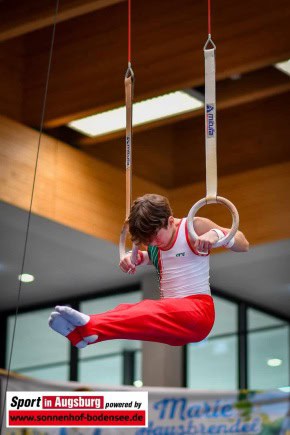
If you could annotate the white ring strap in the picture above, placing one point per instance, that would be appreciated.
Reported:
(211, 149)
(210, 123)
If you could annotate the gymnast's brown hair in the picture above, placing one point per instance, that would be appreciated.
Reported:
(149, 213)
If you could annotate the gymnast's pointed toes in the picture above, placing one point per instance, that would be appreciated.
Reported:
(75, 317)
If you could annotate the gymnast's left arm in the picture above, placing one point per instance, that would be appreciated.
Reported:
(204, 228)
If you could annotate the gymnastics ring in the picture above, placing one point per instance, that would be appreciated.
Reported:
(219, 200)
(122, 245)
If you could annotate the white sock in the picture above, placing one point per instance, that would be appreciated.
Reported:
(64, 327)
(73, 316)
(76, 318)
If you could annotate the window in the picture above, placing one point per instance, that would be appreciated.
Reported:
(37, 351)
(268, 351)
(258, 319)
(105, 370)
(212, 364)
(226, 321)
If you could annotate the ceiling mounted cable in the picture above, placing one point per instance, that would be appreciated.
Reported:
(129, 95)
(42, 116)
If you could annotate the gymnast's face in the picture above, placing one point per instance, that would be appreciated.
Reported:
(164, 236)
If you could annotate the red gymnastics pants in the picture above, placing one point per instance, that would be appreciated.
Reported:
(170, 320)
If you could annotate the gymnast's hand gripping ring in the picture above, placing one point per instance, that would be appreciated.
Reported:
(219, 200)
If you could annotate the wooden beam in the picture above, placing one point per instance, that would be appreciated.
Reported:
(21, 17)
(261, 197)
(71, 188)
(249, 87)
(88, 68)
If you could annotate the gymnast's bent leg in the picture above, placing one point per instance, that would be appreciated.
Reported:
(173, 321)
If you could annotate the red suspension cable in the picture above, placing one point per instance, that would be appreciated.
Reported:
(129, 31)
(208, 17)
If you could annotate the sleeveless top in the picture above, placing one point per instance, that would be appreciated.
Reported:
(180, 270)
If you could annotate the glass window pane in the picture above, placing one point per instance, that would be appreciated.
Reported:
(58, 373)
(269, 358)
(257, 319)
(100, 305)
(35, 343)
(102, 371)
(226, 317)
(212, 364)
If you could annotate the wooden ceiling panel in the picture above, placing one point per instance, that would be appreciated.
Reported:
(249, 87)
(250, 136)
(152, 155)
(90, 52)
(19, 17)
(11, 79)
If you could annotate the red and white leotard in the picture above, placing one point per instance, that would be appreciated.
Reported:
(181, 271)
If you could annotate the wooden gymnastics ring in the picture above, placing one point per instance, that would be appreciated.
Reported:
(218, 200)
(122, 245)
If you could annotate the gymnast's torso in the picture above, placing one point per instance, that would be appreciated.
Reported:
(181, 271)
